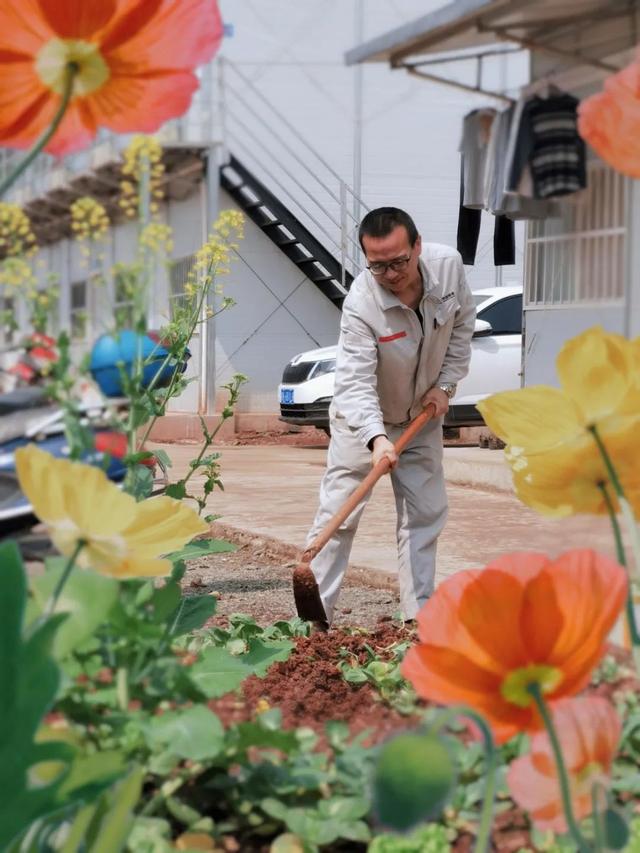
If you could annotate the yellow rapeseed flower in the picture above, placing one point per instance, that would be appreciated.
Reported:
(79, 504)
(142, 158)
(157, 237)
(16, 274)
(16, 236)
(89, 219)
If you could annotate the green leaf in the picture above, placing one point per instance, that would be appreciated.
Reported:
(163, 457)
(414, 779)
(344, 808)
(117, 814)
(176, 490)
(194, 733)
(218, 672)
(86, 598)
(261, 655)
(200, 548)
(89, 772)
(139, 482)
(165, 601)
(30, 681)
(616, 831)
(287, 843)
(191, 614)
(244, 736)
(354, 675)
(150, 835)
(141, 411)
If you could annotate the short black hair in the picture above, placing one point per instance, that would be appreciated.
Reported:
(381, 222)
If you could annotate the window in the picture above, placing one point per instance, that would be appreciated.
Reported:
(9, 319)
(505, 316)
(178, 277)
(79, 311)
(479, 298)
(124, 284)
(579, 257)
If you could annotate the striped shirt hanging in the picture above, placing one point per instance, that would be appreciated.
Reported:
(548, 141)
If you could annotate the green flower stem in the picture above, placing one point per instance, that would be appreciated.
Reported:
(625, 507)
(580, 841)
(598, 828)
(71, 71)
(64, 577)
(622, 559)
(631, 524)
(483, 838)
(167, 395)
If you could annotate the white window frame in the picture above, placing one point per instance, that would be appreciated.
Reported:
(583, 262)
(121, 304)
(74, 312)
(179, 270)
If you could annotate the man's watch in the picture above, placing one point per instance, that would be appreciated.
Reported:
(449, 388)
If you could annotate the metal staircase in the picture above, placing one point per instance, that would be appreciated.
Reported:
(286, 231)
(286, 187)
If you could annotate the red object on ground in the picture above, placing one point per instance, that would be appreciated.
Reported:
(115, 444)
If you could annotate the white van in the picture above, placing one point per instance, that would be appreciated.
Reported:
(307, 382)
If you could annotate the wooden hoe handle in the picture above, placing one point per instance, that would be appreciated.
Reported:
(378, 470)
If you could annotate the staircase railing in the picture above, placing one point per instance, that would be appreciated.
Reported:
(277, 152)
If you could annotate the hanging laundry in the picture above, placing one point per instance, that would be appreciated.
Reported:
(476, 134)
(547, 140)
(497, 200)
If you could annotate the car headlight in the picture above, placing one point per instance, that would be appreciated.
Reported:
(322, 367)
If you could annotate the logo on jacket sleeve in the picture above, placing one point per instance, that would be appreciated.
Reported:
(386, 338)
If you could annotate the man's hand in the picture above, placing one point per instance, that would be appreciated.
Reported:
(439, 398)
(383, 447)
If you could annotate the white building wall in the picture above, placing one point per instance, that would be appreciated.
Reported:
(548, 327)
(293, 54)
(278, 313)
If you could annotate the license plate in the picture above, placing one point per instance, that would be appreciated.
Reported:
(286, 395)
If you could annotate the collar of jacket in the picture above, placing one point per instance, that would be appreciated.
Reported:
(388, 300)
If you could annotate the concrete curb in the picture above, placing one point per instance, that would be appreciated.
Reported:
(479, 468)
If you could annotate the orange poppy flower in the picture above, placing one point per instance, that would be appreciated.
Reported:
(487, 634)
(610, 121)
(135, 61)
(588, 731)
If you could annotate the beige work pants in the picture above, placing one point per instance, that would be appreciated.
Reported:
(421, 507)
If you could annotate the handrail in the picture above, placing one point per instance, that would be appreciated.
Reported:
(284, 120)
(284, 188)
(287, 147)
(262, 123)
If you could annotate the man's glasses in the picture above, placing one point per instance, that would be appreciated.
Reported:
(380, 267)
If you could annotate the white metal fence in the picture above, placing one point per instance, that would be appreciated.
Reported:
(579, 258)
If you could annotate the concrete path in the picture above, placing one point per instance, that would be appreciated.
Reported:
(272, 490)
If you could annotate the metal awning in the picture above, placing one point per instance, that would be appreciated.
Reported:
(577, 32)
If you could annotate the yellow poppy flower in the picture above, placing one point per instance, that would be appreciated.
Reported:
(561, 483)
(78, 503)
(599, 374)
